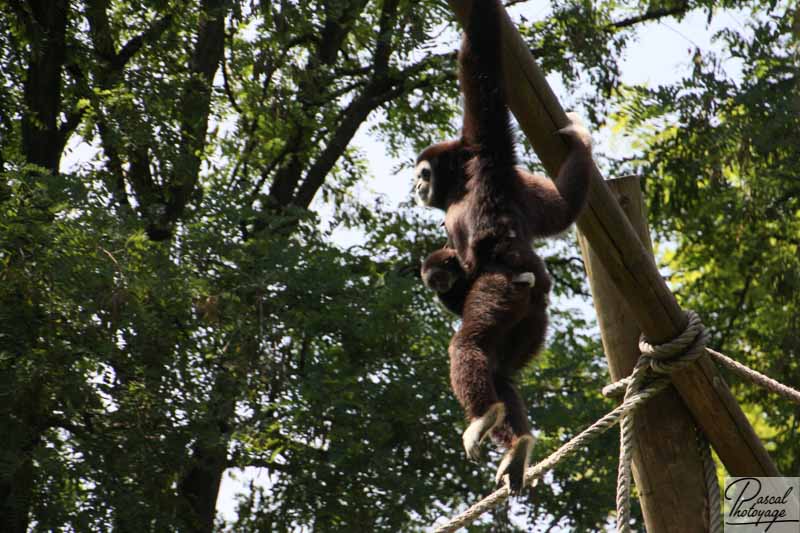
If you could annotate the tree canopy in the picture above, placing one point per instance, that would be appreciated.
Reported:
(173, 308)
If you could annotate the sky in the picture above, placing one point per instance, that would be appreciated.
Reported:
(661, 53)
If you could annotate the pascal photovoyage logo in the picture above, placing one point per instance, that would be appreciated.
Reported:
(762, 504)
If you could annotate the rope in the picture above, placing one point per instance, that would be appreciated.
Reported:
(713, 499)
(649, 377)
(536, 471)
(656, 363)
(756, 377)
(626, 433)
(618, 387)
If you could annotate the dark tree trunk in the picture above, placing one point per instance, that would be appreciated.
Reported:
(199, 486)
(45, 22)
(20, 434)
(42, 143)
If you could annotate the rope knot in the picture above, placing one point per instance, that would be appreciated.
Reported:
(679, 352)
(650, 376)
(658, 361)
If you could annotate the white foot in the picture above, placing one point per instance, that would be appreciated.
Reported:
(525, 277)
(514, 464)
(479, 428)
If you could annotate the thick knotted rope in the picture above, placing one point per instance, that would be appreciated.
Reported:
(654, 367)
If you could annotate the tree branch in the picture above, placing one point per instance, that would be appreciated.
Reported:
(75, 116)
(195, 106)
(107, 76)
(103, 37)
(339, 19)
(151, 34)
(649, 15)
(739, 305)
(386, 28)
(355, 113)
(382, 88)
(338, 24)
(259, 463)
(227, 87)
(380, 91)
(100, 30)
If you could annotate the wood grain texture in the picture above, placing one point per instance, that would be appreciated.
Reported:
(667, 464)
(627, 263)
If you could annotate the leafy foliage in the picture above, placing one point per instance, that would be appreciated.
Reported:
(172, 307)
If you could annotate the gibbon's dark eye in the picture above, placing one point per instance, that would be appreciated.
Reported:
(423, 171)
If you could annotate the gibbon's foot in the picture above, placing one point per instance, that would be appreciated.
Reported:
(576, 131)
(479, 428)
(525, 277)
(514, 464)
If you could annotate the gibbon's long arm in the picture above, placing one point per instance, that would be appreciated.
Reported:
(560, 201)
(487, 121)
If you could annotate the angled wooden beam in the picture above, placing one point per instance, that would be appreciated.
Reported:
(632, 270)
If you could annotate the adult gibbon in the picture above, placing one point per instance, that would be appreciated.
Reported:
(491, 276)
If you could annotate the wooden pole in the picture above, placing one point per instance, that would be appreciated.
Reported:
(627, 263)
(667, 464)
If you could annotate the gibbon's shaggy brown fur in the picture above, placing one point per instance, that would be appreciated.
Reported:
(503, 326)
(493, 212)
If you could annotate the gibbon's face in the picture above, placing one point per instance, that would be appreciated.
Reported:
(423, 183)
(439, 170)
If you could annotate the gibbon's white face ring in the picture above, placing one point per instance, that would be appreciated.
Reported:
(423, 183)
